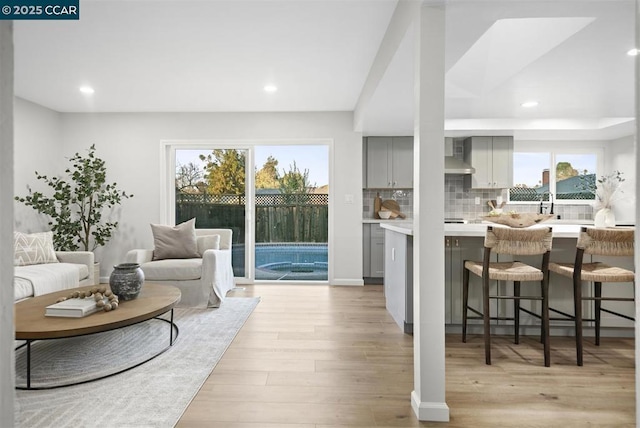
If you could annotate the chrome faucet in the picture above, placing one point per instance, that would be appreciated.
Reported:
(542, 207)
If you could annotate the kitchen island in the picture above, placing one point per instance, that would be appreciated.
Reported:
(465, 242)
(398, 272)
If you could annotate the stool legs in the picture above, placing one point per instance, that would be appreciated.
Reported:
(598, 306)
(545, 323)
(577, 303)
(516, 311)
(465, 303)
(486, 318)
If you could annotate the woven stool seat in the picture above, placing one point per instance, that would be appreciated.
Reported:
(595, 272)
(507, 271)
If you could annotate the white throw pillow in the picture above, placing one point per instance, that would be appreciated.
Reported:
(33, 248)
(175, 242)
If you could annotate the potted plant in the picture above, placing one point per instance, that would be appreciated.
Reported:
(78, 202)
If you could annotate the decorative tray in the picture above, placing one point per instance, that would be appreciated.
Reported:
(517, 219)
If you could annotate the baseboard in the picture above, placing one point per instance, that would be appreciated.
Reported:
(347, 282)
(429, 411)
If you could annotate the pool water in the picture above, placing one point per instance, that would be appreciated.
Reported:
(292, 261)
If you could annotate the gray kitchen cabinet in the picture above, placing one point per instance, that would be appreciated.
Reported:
(492, 158)
(366, 250)
(457, 250)
(373, 251)
(389, 162)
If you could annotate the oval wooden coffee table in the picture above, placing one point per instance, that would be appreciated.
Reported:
(31, 324)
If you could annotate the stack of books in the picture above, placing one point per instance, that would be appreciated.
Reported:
(73, 308)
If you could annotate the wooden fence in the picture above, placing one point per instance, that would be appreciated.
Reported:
(279, 217)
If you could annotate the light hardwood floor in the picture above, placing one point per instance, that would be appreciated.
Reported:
(328, 357)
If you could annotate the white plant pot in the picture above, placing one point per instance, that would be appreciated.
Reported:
(604, 218)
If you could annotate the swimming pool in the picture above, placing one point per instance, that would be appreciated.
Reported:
(292, 261)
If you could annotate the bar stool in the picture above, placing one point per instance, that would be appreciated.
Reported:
(517, 242)
(614, 242)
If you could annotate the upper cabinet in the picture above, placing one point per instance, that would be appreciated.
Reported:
(492, 157)
(389, 162)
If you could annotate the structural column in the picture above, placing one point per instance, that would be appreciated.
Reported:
(637, 235)
(7, 374)
(428, 396)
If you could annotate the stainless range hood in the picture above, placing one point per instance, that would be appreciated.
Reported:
(453, 165)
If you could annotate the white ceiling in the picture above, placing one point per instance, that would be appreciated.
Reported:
(199, 56)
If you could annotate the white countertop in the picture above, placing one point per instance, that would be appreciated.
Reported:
(560, 230)
(380, 220)
(404, 227)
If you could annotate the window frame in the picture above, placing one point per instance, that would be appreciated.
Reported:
(560, 148)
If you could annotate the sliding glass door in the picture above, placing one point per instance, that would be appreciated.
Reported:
(210, 186)
(291, 213)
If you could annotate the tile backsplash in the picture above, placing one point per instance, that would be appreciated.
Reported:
(461, 203)
(404, 197)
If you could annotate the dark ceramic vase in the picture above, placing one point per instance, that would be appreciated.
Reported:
(126, 280)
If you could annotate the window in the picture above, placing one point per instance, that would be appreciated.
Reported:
(565, 175)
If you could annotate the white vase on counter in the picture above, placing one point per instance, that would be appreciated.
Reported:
(604, 218)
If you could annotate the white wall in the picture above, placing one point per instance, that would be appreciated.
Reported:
(130, 145)
(38, 148)
(621, 156)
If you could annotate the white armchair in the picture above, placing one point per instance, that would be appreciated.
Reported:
(205, 281)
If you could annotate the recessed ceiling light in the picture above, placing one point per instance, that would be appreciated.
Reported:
(529, 104)
(633, 52)
(270, 88)
(88, 90)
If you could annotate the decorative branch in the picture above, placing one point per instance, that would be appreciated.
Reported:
(75, 208)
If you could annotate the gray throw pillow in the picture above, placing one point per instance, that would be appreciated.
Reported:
(175, 242)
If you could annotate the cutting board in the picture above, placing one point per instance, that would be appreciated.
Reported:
(377, 205)
(393, 206)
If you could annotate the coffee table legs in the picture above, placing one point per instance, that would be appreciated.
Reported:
(171, 324)
(29, 364)
(173, 335)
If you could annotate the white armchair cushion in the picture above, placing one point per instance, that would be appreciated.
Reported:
(172, 269)
(33, 248)
(83, 272)
(175, 242)
(208, 242)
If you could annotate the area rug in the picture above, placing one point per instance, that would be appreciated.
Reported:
(154, 394)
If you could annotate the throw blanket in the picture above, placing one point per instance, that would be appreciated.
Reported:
(49, 277)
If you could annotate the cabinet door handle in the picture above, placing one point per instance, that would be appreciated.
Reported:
(457, 242)
(447, 242)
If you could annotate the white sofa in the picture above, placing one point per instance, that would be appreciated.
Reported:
(203, 281)
(74, 268)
